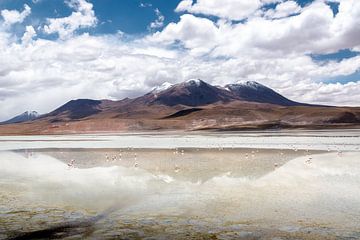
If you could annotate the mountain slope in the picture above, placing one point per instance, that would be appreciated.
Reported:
(24, 117)
(191, 105)
(255, 92)
(193, 92)
(76, 109)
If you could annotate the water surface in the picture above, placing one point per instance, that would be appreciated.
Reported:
(303, 185)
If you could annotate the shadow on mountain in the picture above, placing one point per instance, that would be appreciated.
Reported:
(345, 117)
(183, 113)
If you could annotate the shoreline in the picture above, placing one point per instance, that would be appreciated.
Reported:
(348, 140)
(26, 129)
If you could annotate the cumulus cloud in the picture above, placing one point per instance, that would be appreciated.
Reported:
(284, 9)
(197, 34)
(184, 5)
(29, 34)
(227, 9)
(314, 30)
(13, 16)
(159, 21)
(83, 17)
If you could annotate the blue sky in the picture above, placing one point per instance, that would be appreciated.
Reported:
(307, 50)
(129, 16)
(133, 18)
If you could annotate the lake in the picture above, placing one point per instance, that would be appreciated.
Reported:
(248, 185)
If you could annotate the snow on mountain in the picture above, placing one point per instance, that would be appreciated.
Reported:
(32, 114)
(247, 84)
(194, 82)
(162, 87)
(255, 92)
(195, 92)
(24, 117)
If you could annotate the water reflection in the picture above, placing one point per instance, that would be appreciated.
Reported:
(179, 189)
(196, 165)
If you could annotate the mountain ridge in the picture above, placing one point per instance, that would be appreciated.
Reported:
(190, 105)
(196, 92)
(23, 117)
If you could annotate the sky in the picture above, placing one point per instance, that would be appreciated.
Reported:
(53, 51)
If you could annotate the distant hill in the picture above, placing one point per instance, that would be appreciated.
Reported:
(190, 105)
(24, 117)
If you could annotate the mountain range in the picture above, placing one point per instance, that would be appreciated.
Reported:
(190, 105)
(24, 117)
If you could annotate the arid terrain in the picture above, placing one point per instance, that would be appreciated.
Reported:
(190, 106)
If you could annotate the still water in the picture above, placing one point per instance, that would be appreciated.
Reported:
(303, 185)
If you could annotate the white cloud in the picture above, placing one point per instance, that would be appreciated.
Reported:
(159, 21)
(226, 9)
(83, 17)
(284, 9)
(314, 30)
(13, 16)
(29, 34)
(145, 5)
(197, 34)
(330, 94)
(184, 5)
(229, 9)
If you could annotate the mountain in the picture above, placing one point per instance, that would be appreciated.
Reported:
(190, 105)
(255, 92)
(76, 109)
(196, 92)
(24, 117)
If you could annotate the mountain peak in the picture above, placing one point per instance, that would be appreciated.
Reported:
(162, 87)
(31, 113)
(246, 84)
(252, 91)
(23, 117)
(76, 109)
(193, 92)
(196, 92)
(194, 82)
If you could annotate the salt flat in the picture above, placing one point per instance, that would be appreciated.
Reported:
(315, 140)
(262, 185)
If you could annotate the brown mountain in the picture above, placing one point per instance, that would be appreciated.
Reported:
(191, 105)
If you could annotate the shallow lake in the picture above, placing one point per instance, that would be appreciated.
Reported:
(250, 185)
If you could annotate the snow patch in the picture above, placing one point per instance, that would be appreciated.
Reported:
(192, 82)
(31, 114)
(245, 84)
(162, 87)
(251, 84)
